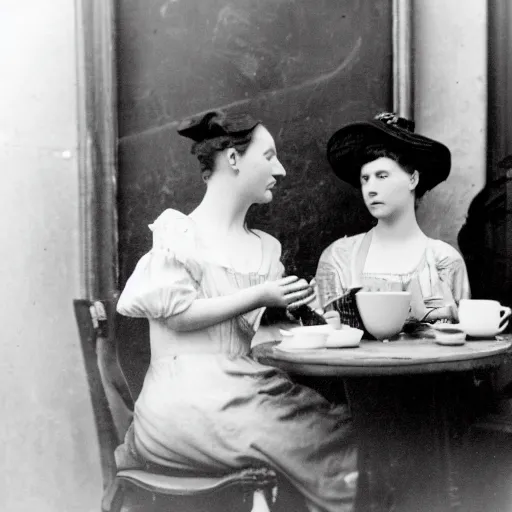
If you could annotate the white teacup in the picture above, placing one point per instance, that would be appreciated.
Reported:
(483, 318)
(383, 313)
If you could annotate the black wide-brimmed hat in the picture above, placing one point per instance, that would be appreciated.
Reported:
(346, 149)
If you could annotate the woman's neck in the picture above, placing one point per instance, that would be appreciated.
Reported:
(221, 210)
(397, 246)
(398, 228)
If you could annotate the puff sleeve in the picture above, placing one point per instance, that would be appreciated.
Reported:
(166, 280)
(452, 272)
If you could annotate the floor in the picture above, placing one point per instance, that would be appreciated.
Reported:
(488, 475)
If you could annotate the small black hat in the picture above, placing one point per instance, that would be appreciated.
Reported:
(346, 149)
(215, 124)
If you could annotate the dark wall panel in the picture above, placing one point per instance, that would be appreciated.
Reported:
(304, 67)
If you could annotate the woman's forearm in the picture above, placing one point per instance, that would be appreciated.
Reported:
(204, 313)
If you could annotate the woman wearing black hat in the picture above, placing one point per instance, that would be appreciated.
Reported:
(394, 167)
(206, 405)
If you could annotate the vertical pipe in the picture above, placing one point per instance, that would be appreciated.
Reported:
(403, 90)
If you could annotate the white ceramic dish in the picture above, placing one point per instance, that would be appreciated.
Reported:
(305, 338)
(287, 348)
(483, 318)
(346, 337)
(451, 340)
(448, 334)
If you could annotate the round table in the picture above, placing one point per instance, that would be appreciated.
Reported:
(409, 400)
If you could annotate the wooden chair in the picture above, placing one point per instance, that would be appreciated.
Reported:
(101, 350)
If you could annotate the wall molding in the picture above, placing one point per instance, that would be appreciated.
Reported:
(499, 68)
(97, 147)
(499, 136)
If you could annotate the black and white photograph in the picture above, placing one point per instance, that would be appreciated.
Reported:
(256, 256)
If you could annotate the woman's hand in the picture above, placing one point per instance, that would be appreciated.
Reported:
(447, 314)
(285, 292)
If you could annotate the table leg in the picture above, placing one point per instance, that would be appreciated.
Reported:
(450, 422)
(405, 426)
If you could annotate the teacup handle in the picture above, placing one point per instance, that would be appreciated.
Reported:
(505, 315)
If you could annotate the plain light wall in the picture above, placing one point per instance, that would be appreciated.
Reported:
(450, 40)
(48, 450)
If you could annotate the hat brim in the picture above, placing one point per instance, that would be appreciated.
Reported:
(346, 151)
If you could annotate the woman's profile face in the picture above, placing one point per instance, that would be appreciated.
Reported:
(387, 189)
(259, 167)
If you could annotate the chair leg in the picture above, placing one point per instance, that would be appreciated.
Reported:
(259, 501)
(113, 497)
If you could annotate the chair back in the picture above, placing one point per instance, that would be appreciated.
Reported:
(89, 331)
(116, 355)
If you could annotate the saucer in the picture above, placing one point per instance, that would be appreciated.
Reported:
(282, 346)
(347, 337)
(346, 344)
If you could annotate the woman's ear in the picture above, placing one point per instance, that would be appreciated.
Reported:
(415, 179)
(232, 159)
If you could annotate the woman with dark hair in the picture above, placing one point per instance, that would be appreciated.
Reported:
(206, 405)
(393, 167)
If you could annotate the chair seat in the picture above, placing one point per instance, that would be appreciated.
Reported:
(197, 485)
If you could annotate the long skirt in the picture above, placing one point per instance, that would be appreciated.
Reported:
(216, 413)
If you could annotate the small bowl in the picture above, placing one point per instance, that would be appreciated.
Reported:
(346, 337)
(451, 339)
(383, 313)
(305, 338)
(448, 334)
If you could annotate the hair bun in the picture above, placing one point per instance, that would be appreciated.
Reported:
(215, 124)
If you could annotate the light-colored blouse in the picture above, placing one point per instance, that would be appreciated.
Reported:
(178, 270)
(439, 280)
